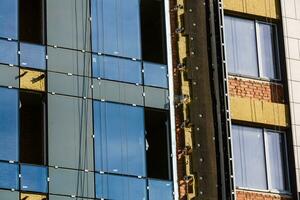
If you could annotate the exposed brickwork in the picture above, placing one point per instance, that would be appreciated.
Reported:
(249, 195)
(261, 90)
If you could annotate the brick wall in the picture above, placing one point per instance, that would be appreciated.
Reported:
(249, 195)
(261, 90)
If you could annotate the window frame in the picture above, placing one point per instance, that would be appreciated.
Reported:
(285, 166)
(275, 42)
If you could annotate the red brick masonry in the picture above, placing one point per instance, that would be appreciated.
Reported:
(250, 195)
(261, 90)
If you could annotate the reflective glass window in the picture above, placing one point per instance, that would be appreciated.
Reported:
(9, 124)
(245, 139)
(9, 176)
(120, 139)
(34, 178)
(160, 190)
(155, 74)
(116, 27)
(68, 23)
(8, 52)
(241, 46)
(32, 56)
(277, 163)
(267, 51)
(120, 187)
(9, 19)
(117, 69)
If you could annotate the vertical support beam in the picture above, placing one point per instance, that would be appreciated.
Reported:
(171, 97)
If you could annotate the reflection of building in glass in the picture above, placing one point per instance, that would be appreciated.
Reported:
(84, 101)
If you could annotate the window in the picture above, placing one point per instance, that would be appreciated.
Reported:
(32, 56)
(116, 27)
(32, 137)
(119, 69)
(34, 178)
(9, 124)
(31, 17)
(153, 31)
(119, 138)
(250, 48)
(160, 190)
(155, 75)
(8, 52)
(9, 19)
(9, 176)
(120, 187)
(158, 152)
(263, 168)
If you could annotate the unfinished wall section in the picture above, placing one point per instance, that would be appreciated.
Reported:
(197, 165)
(257, 101)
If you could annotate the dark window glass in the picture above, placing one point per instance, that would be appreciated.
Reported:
(119, 69)
(153, 31)
(120, 140)
(32, 56)
(160, 190)
(120, 187)
(34, 178)
(32, 21)
(8, 52)
(9, 176)
(9, 19)
(9, 124)
(241, 46)
(116, 27)
(158, 152)
(32, 110)
(155, 75)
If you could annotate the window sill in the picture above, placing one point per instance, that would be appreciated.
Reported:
(277, 81)
(275, 192)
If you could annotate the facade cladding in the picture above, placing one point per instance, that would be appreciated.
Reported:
(115, 99)
(84, 107)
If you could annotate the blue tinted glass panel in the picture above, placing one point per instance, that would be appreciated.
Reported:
(9, 176)
(34, 178)
(32, 56)
(120, 188)
(160, 190)
(155, 75)
(9, 19)
(117, 69)
(277, 164)
(116, 27)
(245, 139)
(9, 123)
(120, 140)
(8, 52)
(267, 51)
(241, 50)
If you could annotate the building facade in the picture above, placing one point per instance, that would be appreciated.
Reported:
(149, 99)
(237, 66)
(85, 101)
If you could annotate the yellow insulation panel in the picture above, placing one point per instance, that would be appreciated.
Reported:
(263, 8)
(257, 111)
(32, 80)
(33, 196)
